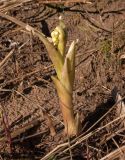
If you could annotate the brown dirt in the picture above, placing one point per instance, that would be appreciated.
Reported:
(100, 28)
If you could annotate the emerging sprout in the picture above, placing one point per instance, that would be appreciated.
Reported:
(65, 68)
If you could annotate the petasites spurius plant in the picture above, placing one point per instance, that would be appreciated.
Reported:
(64, 64)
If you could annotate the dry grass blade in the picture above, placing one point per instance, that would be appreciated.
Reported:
(112, 135)
(101, 118)
(115, 154)
(64, 1)
(50, 124)
(80, 140)
(121, 107)
(20, 78)
(83, 137)
(54, 55)
(7, 5)
(70, 151)
(19, 131)
(18, 22)
(6, 127)
(122, 153)
(6, 58)
(31, 100)
(51, 153)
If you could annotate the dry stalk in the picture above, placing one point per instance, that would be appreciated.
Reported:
(6, 58)
(20, 78)
(50, 124)
(80, 140)
(69, 146)
(10, 4)
(108, 137)
(31, 101)
(115, 154)
(19, 131)
(31, 136)
(117, 145)
(51, 153)
(6, 127)
(117, 103)
(64, 1)
(83, 137)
